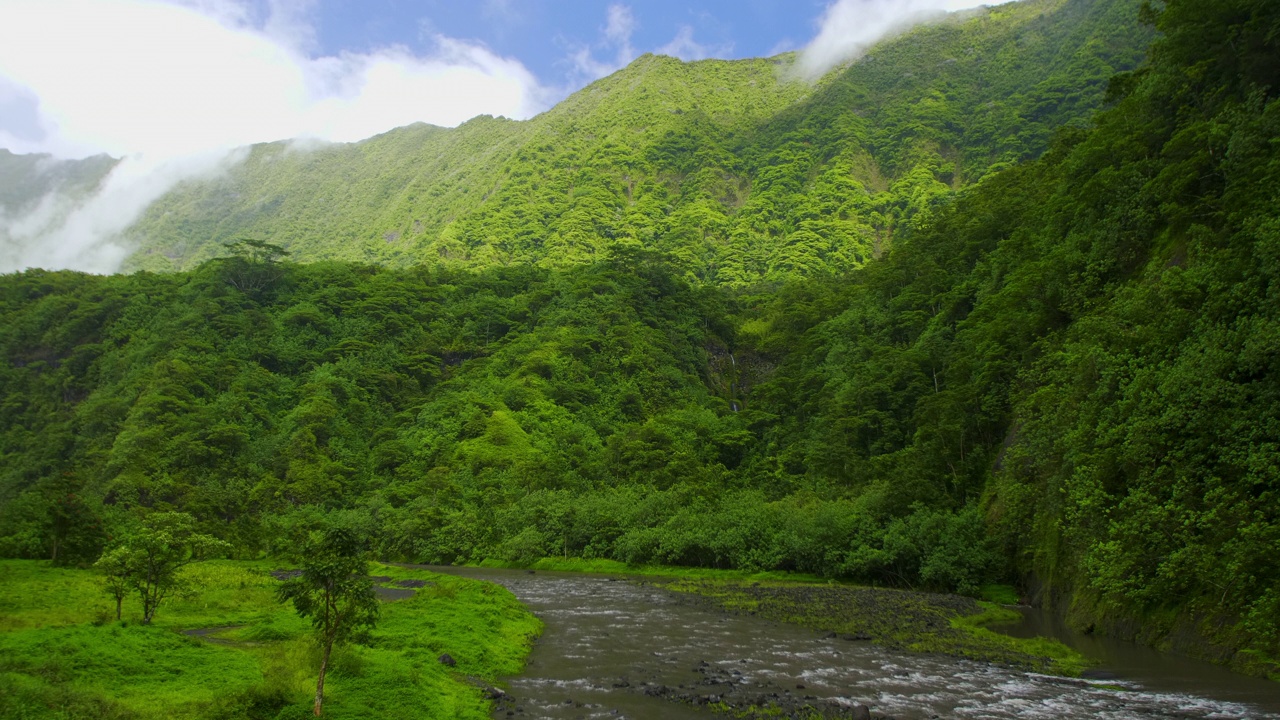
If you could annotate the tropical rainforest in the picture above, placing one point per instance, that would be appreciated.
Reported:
(998, 302)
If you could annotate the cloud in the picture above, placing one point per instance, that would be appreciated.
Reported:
(849, 27)
(168, 86)
(619, 28)
(63, 234)
(620, 25)
(616, 39)
(129, 77)
(683, 46)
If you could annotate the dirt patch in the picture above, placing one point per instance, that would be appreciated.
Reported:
(388, 594)
(208, 634)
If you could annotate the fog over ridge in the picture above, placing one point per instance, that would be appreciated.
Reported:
(848, 28)
(175, 88)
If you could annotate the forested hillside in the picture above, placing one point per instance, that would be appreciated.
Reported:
(737, 168)
(37, 191)
(1055, 370)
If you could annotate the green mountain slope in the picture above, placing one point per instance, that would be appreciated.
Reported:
(37, 193)
(26, 179)
(739, 172)
(1061, 376)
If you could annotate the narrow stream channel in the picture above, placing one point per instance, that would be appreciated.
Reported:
(618, 649)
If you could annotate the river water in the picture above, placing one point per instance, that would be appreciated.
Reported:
(618, 649)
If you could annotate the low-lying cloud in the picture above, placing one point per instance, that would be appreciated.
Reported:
(848, 28)
(172, 88)
(79, 234)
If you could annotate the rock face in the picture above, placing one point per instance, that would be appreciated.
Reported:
(447, 660)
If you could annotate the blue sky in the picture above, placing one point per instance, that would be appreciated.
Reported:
(175, 78)
(545, 34)
(179, 88)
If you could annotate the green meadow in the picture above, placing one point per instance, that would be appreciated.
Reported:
(231, 650)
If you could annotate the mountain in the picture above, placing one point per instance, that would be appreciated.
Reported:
(737, 169)
(1056, 370)
(26, 179)
(38, 192)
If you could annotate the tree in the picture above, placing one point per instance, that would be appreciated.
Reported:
(148, 560)
(115, 565)
(335, 591)
(74, 531)
(253, 264)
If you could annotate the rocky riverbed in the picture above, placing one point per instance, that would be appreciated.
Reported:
(618, 649)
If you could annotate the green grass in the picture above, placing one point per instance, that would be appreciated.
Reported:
(1060, 659)
(899, 619)
(614, 567)
(999, 594)
(63, 655)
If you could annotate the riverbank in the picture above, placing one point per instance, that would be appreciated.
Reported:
(231, 650)
(952, 625)
(898, 619)
(636, 649)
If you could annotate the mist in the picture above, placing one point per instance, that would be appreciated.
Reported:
(175, 89)
(66, 232)
(848, 28)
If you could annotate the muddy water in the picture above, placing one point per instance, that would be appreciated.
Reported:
(616, 649)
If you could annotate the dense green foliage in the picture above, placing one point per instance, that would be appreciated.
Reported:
(1061, 375)
(63, 656)
(738, 169)
(1081, 352)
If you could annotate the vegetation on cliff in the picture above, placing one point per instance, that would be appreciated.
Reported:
(1060, 372)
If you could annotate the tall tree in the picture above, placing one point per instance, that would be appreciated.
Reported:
(74, 531)
(335, 591)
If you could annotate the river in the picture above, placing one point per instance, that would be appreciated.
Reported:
(626, 649)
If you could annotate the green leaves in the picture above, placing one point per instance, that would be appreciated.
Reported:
(147, 559)
(333, 589)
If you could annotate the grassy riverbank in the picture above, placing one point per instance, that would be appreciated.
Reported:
(916, 621)
(614, 567)
(232, 651)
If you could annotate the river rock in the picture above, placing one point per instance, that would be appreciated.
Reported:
(860, 712)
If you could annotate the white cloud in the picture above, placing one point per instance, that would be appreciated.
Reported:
(683, 46)
(130, 76)
(81, 236)
(616, 39)
(849, 27)
(620, 25)
(619, 28)
(169, 85)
